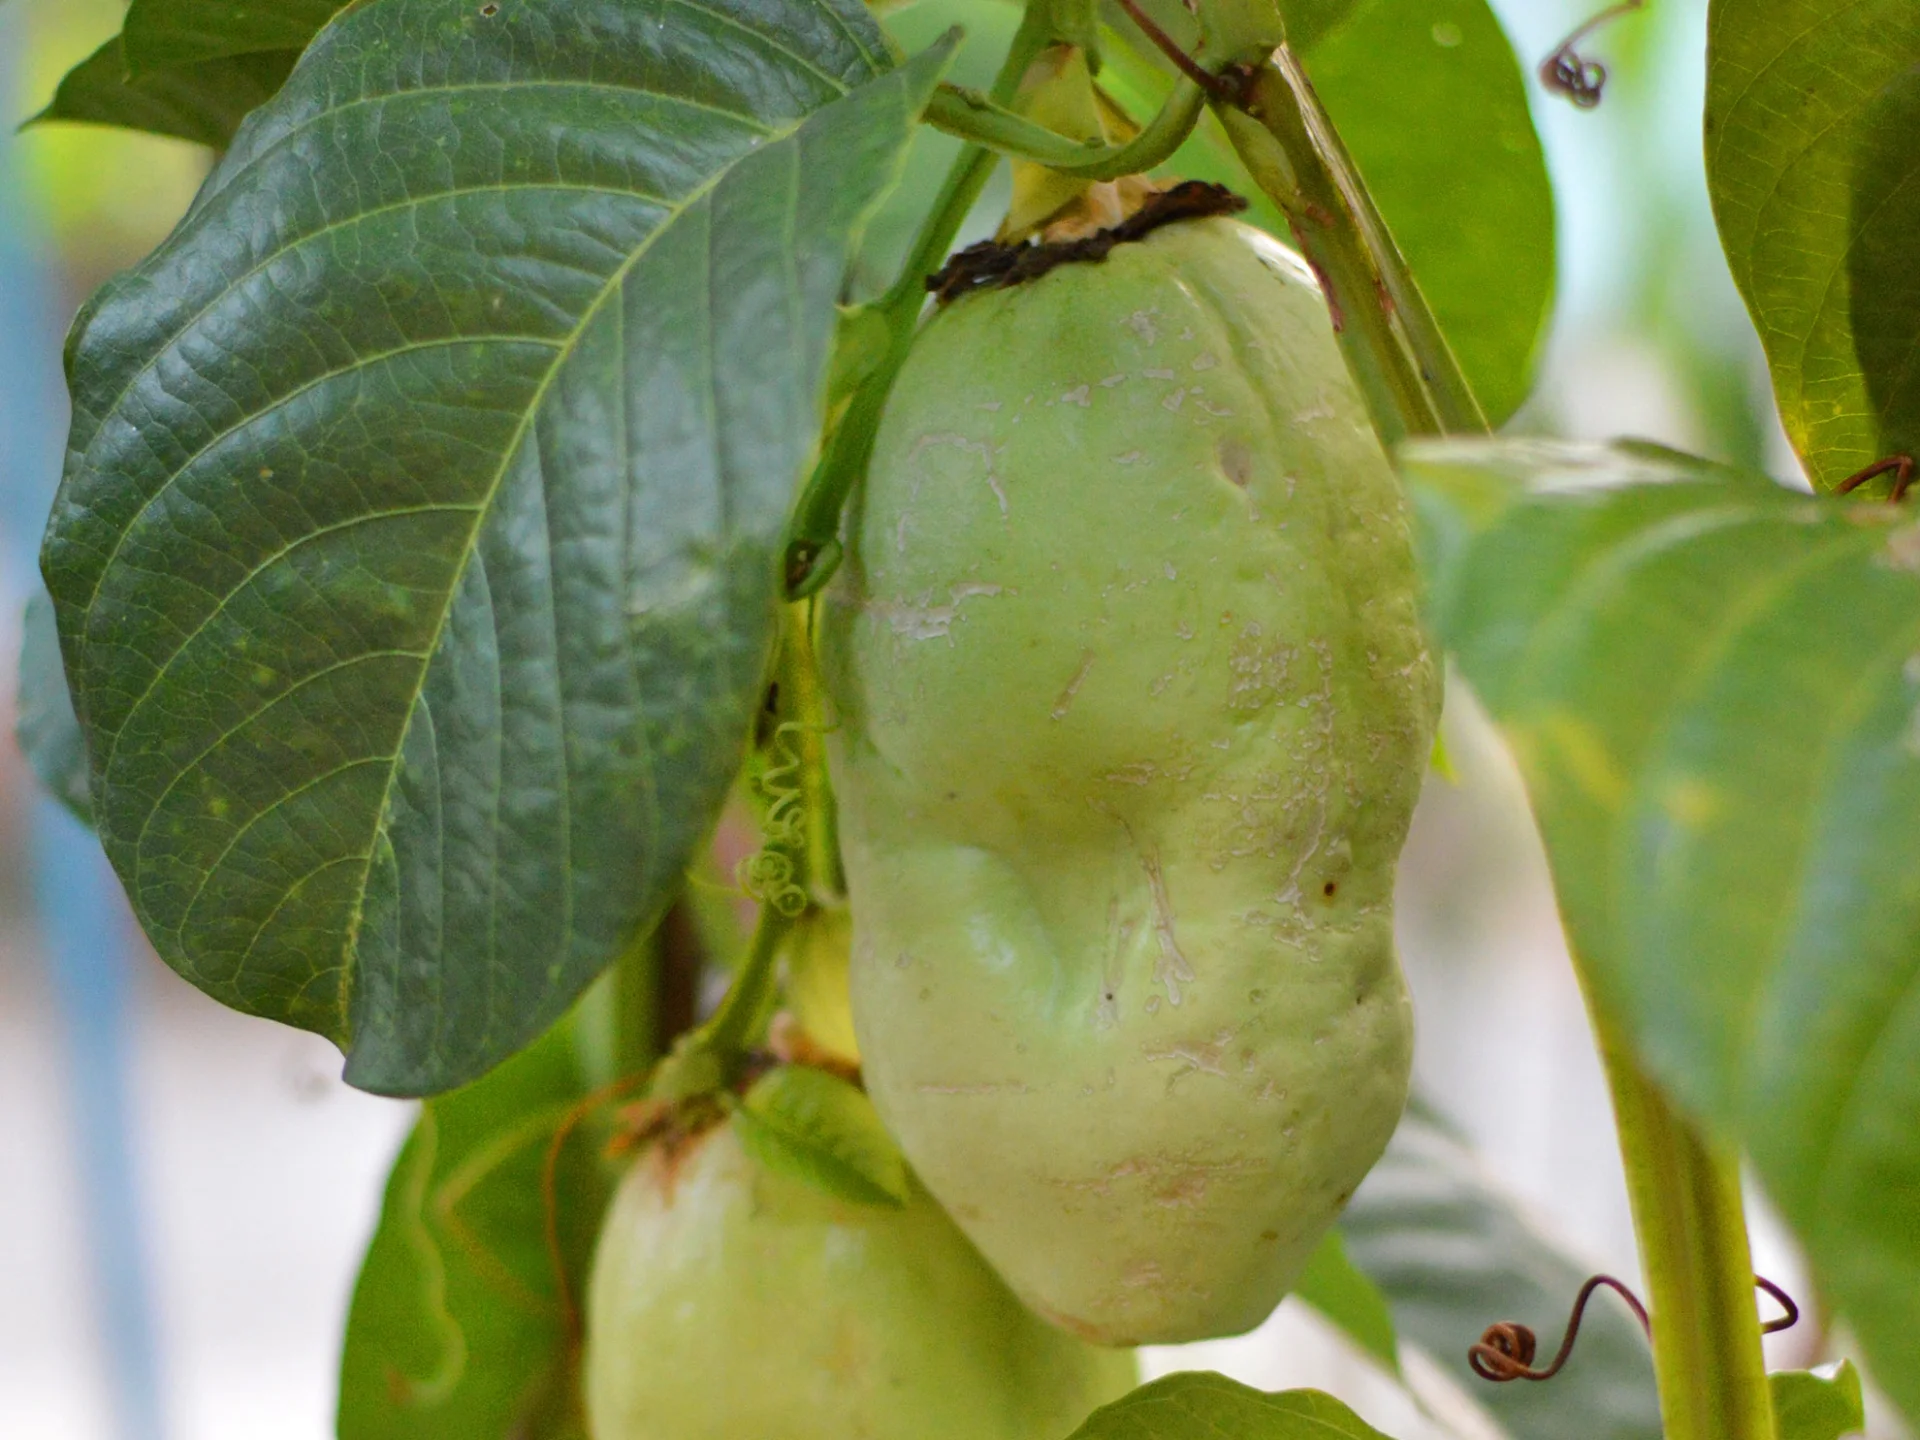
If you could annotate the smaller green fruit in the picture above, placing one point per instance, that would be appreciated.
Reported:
(731, 1302)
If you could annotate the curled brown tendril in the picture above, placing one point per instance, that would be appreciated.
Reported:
(1898, 466)
(1506, 1351)
(1566, 72)
(1779, 1322)
(992, 264)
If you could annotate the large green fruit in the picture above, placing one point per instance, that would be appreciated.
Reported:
(731, 1302)
(1134, 706)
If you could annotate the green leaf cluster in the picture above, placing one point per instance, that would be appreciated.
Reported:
(418, 561)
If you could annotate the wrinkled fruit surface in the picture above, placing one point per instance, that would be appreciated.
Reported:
(730, 1302)
(1134, 710)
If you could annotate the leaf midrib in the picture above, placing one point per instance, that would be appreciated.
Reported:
(535, 402)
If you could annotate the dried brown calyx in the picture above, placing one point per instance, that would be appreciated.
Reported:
(992, 264)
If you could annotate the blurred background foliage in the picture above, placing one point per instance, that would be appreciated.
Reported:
(186, 1193)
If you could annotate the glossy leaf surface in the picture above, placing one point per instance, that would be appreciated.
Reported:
(161, 33)
(1711, 686)
(458, 1328)
(1813, 162)
(1453, 1253)
(417, 556)
(44, 725)
(1431, 101)
(1200, 1405)
(202, 101)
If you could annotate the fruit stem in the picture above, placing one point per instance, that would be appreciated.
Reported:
(826, 879)
(1691, 1225)
(813, 548)
(725, 1036)
(1405, 370)
(974, 116)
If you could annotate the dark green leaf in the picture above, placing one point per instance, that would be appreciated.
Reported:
(1813, 150)
(43, 725)
(1807, 1407)
(820, 1129)
(458, 1330)
(203, 102)
(417, 558)
(1883, 260)
(1341, 1291)
(1428, 96)
(162, 33)
(1711, 685)
(1200, 1405)
(1454, 1253)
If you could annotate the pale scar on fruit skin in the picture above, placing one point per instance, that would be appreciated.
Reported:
(1134, 816)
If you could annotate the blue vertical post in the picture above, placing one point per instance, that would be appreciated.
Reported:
(80, 909)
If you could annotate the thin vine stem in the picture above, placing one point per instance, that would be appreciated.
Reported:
(726, 1034)
(813, 548)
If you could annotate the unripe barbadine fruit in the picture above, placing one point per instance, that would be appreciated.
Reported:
(1133, 707)
(732, 1302)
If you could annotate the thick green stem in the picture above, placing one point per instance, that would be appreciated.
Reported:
(973, 116)
(1405, 372)
(727, 1033)
(1458, 408)
(1688, 1217)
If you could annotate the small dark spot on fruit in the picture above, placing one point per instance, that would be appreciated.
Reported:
(1328, 888)
(1343, 1196)
(953, 794)
(1269, 1235)
(1107, 993)
(489, 9)
(1254, 997)
(1236, 462)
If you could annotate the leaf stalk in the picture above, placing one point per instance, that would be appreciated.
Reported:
(974, 116)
